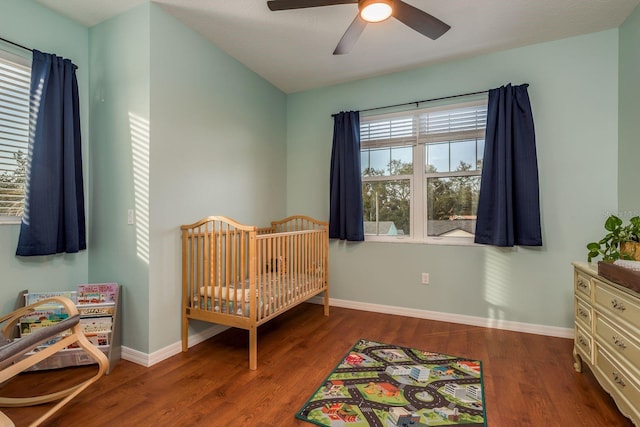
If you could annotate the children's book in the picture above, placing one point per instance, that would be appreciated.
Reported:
(97, 310)
(95, 338)
(96, 324)
(34, 297)
(53, 314)
(99, 338)
(97, 293)
(27, 328)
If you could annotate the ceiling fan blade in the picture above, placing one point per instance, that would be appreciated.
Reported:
(301, 4)
(350, 36)
(419, 20)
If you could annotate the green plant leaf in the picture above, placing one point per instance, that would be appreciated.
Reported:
(612, 223)
(592, 254)
(593, 246)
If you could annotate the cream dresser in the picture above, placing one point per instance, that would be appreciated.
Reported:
(607, 336)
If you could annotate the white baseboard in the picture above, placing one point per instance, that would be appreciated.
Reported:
(147, 360)
(552, 331)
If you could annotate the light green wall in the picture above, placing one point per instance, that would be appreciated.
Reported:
(120, 86)
(629, 150)
(27, 23)
(574, 96)
(218, 148)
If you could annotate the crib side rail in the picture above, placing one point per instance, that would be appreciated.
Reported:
(291, 267)
(298, 223)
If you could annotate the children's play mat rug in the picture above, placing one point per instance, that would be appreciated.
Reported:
(386, 385)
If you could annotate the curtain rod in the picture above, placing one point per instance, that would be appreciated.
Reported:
(426, 100)
(16, 44)
(24, 47)
(423, 101)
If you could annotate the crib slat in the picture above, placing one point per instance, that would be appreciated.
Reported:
(207, 239)
(186, 306)
(228, 270)
(195, 270)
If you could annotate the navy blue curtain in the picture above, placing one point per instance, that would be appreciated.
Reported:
(346, 211)
(53, 220)
(508, 205)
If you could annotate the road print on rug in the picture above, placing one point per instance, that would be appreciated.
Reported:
(385, 385)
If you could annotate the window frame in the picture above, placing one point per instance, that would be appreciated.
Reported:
(25, 62)
(418, 179)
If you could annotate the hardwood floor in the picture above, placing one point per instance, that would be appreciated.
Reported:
(529, 379)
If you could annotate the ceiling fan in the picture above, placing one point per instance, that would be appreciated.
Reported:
(371, 11)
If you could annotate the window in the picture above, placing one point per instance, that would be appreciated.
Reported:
(15, 75)
(421, 172)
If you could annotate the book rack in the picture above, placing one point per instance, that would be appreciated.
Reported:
(95, 314)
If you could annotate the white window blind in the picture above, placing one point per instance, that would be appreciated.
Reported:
(388, 131)
(14, 134)
(466, 121)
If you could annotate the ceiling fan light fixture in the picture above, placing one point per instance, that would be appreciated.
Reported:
(375, 10)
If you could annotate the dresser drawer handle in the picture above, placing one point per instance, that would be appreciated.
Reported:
(618, 380)
(618, 305)
(582, 284)
(617, 341)
(582, 341)
(583, 313)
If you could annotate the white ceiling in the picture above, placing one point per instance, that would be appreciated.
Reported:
(293, 49)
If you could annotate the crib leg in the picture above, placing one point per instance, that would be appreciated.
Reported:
(326, 303)
(253, 348)
(185, 333)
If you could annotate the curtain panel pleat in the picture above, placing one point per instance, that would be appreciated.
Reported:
(508, 204)
(346, 210)
(54, 219)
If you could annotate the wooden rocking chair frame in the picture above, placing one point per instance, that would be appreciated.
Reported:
(13, 362)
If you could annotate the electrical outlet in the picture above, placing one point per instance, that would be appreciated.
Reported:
(130, 216)
(425, 278)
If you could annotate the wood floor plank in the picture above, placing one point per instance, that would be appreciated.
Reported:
(529, 379)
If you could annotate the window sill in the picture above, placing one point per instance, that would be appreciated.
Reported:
(8, 220)
(430, 241)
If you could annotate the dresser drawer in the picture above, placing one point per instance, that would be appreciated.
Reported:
(583, 285)
(619, 342)
(620, 381)
(583, 313)
(617, 302)
(583, 343)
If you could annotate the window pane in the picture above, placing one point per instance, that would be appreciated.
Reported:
(452, 205)
(401, 161)
(480, 152)
(379, 161)
(438, 157)
(387, 161)
(463, 155)
(364, 162)
(387, 207)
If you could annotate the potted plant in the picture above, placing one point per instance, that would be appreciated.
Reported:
(621, 241)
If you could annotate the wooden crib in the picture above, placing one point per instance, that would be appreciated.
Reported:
(243, 276)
